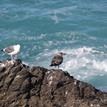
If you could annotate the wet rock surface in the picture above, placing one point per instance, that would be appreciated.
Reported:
(24, 86)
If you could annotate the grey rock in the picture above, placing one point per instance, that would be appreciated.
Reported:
(25, 86)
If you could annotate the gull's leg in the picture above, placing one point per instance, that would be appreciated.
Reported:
(12, 57)
(16, 56)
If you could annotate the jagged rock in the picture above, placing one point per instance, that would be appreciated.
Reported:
(24, 86)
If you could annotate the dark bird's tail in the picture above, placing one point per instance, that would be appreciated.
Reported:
(51, 65)
(1, 50)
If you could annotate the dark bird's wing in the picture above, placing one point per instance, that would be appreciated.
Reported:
(9, 49)
(57, 60)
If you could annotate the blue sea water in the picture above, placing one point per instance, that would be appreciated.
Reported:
(44, 27)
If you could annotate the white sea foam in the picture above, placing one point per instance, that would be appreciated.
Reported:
(83, 62)
(100, 65)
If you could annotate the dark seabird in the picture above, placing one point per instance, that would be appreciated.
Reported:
(57, 59)
(12, 50)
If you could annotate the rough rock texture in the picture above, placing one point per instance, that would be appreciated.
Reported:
(24, 86)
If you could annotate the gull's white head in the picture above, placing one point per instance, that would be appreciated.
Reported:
(17, 46)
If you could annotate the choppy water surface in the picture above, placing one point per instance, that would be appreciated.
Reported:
(44, 27)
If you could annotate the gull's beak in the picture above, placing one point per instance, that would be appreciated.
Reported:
(64, 53)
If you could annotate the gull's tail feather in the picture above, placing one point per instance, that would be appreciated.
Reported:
(51, 65)
(2, 50)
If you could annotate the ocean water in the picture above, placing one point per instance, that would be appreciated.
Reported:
(45, 27)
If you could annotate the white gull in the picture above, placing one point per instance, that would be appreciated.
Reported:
(12, 51)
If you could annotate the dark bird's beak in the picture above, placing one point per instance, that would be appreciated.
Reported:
(64, 54)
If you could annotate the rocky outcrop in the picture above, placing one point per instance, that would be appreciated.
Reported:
(24, 86)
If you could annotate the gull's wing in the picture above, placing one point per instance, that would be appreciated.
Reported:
(9, 49)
